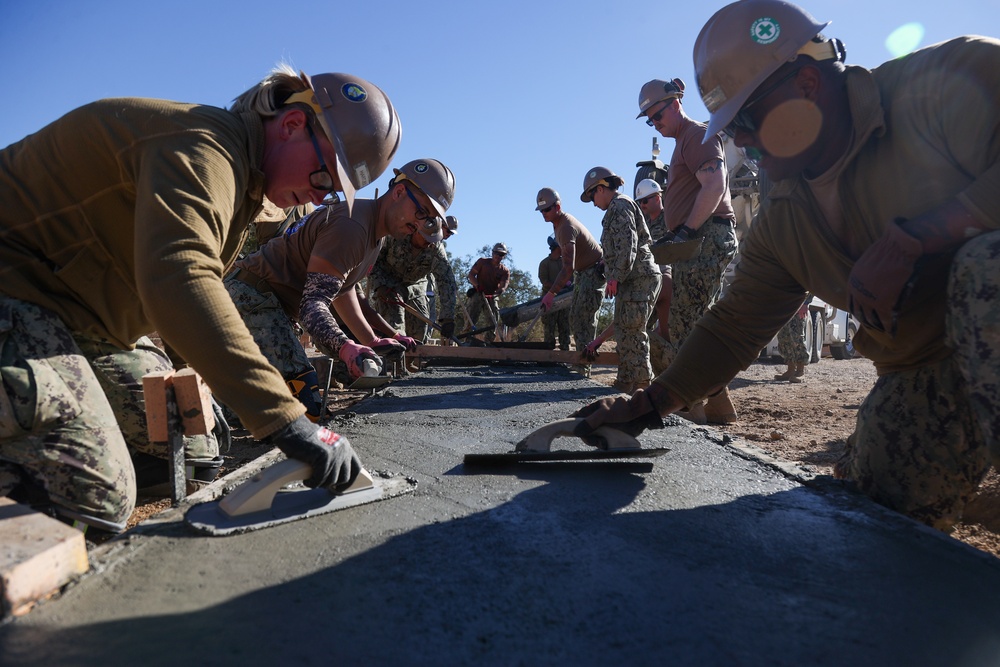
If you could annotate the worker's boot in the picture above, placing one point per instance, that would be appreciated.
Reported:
(800, 369)
(719, 409)
(787, 375)
(696, 414)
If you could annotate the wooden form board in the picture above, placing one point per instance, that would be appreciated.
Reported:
(509, 354)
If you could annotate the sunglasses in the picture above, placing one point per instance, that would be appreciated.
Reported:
(646, 200)
(548, 208)
(742, 121)
(421, 213)
(655, 118)
(321, 179)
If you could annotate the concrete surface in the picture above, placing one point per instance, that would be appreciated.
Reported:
(701, 557)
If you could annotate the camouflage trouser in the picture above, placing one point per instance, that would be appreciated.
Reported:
(633, 306)
(57, 428)
(278, 341)
(697, 283)
(925, 438)
(399, 319)
(552, 322)
(588, 293)
(477, 304)
(792, 341)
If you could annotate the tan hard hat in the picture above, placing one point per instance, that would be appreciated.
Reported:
(743, 44)
(360, 122)
(500, 249)
(646, 187)
(431, 230)
(597, 176)
(433, 178)
(546, 197)
(658, 90)
(451, 222)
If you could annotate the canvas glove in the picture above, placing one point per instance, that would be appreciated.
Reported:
(354, 356)
(590, 351)
(612, 289)
(682, 234)
(223, 434)
(547, 300)
(331, 457)
(406, 341)
(882, 278)
(447, 328)
(630, 415)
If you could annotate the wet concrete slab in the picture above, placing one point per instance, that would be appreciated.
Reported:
(703, 556)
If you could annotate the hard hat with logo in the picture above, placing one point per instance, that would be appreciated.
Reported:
(360, 122)
(546, 197)
(743, 44)
(431, 229)
(500, 249)
(433, 178)
(598, 176)
(646, 187)
(451, 222)
(553, 244)
(658, 90)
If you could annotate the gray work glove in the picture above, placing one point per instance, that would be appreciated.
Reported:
(333, 461)
(223, 434)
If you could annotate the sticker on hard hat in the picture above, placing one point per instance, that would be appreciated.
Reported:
(354, 92)
(592, 174)
(361, 175)
(420, 168)
(765, 30)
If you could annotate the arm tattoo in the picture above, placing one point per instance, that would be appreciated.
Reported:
(315, 314)
(711, 166)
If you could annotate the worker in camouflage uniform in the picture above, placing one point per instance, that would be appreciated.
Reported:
(914, 260)
(400, 274)
(309, 276)
(118, 220)
(548, 270)
(633, 277)
(489, 277)
(582, 262)
(649, 197)
(792, 345)
(696, 205)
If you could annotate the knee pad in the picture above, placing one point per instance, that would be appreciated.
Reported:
(305, 387)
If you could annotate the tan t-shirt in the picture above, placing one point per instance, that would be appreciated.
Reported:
(577, 243)
(683, 186)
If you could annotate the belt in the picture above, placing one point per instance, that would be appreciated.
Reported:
(722, 221)
(253, 280)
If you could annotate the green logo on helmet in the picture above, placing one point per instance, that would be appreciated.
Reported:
(765, 30)
(420, 168)
(354, 92)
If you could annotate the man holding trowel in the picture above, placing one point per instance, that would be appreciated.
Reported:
(582, 262)
(489, 277)
(310, 273)
(914, 259)
(118, 220)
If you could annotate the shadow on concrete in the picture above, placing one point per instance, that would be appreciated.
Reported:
(558, 575)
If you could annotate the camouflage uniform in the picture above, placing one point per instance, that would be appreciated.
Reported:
(659, 350)
(926, 438)
(792, 341)
(548, 270)
(588, 294)
(697, 282)
(493, 280)
(625, 239)
(403, 269)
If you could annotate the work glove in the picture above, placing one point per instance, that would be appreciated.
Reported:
(590, 351)
(331, 457)
(447, 328)
(406, 341)
(388, 344)
(631, 415)
(612, 289)
(547, 300)
(471, 292)
(682, 234)
(387, 294)
(354, 356)
(882, 278)
(223, 434)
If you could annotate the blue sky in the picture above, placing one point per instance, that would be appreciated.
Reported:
(512, 96)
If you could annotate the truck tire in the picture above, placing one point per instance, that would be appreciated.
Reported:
(847, 350)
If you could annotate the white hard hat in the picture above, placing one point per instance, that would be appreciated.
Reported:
(646, 187)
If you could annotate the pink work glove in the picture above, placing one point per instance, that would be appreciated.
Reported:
(408, 342)
(590, 351)
(354, 356)
(612, 289)
(882, 278)
(547, 300)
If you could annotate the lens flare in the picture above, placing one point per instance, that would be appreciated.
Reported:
(904, 39)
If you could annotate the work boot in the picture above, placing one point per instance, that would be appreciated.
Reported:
(696, 414)
(800, 370)
(787, 375)
(719, 409)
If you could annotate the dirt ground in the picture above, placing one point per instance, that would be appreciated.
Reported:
(806, 424)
